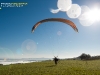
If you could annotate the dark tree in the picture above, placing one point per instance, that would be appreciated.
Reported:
(84, 56)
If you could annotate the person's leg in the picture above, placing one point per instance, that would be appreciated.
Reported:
(56, 62)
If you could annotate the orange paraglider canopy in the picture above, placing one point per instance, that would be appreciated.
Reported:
(70, 23)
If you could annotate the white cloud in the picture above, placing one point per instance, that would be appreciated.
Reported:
(64, 5)
(75, 11)
(54, 10)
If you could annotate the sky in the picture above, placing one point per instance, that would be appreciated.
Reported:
(50, 38)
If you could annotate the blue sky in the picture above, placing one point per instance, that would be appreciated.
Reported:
(50, 38)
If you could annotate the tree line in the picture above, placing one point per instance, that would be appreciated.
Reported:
(85, 56)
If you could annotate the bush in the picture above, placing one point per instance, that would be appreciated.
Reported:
(84, 56)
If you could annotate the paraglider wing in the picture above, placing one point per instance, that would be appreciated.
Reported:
(56, 19)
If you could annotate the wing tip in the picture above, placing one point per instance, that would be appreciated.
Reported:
(76, 29)
(32, 31)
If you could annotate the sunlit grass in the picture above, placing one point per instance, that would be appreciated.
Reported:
(64, 67)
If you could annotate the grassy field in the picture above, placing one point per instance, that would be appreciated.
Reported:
(64, 67)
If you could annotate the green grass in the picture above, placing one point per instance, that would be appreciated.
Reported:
(64, 67)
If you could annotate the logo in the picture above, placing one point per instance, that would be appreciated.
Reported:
(6, 5)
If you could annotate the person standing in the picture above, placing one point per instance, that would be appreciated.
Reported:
(55, 60)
